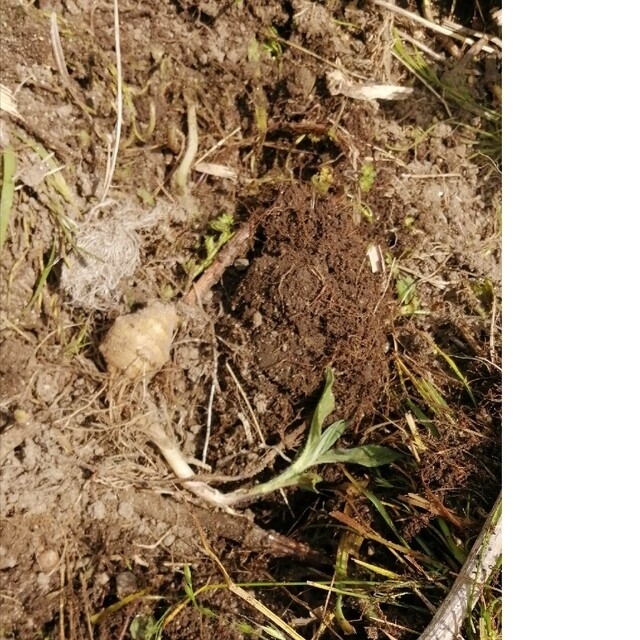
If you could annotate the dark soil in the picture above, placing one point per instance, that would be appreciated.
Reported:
(309, 300)
(89, 512)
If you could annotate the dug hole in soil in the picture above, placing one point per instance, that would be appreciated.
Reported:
(90, 514)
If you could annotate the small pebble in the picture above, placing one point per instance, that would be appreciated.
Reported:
(126, 584)
(48, 560)
(101, 579)
(7, 560)
(43, 580)
(256, 319)
(21, 416)
(125, 510)
(169, 540)
(98, 510)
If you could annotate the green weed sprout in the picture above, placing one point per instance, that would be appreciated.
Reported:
(319, 450)
(219, 233)
(406, 291)
(367, 177)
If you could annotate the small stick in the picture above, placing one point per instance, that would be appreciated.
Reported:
(424, 176)
(448, 24)
(492, 333)
(423, 47)
(226, 257)
(208, 432)
(247, 427)
(58, 52)
(217, 145)
(476, 571)
(445, 31)
(214, 384)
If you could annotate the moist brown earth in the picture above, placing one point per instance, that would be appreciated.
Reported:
(310, 300)
(89, 512)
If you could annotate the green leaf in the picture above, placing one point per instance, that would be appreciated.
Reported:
(405, 288)
(325, 406)
(323, 180)
(220, 231)
(205, 611)
(308, 481)
(315, 449)
(224, 225)
(274, 633)
(328, 438)
(375, 501)
(406, 291)
(188, 584)
(318, 449)
(369, 455)
(143, 627)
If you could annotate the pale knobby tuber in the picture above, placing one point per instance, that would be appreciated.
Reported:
(139, 344)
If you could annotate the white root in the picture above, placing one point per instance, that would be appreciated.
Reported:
(473, 576)
(183, 471)
(180, 177)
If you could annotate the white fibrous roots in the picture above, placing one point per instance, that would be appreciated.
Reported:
(106, 252)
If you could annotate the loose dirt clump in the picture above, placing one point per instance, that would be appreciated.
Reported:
(310, 300)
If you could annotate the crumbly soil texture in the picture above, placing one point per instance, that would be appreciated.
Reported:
(373, 249)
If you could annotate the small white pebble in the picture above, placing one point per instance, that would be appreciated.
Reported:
(48, 560)
(256, 319)
(169, 540)
(101, 579)
(42, 580)
(125, 510)
(98, 511)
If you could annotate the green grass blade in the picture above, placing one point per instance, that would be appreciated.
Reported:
(36, 298)
(457, 92)
(188, 584)
(428, 392)
(381, 509)
(457, 371)
(449, 541)
(6, 195)
(422, 418)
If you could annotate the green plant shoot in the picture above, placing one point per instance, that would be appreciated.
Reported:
(318, 449)
(220, 232)
(367, 177)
